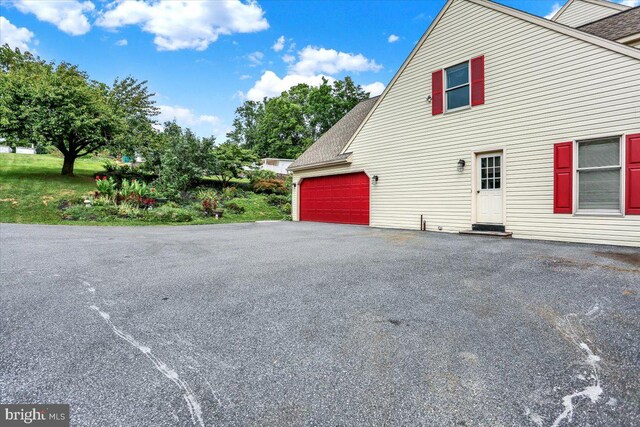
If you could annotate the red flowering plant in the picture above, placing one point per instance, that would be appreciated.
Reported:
(137, 192)
(106, 186)
(210, 206)
(147, 202)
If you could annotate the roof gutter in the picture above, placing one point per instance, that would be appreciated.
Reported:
(337, 162)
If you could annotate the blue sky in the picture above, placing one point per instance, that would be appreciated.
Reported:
(203, 58)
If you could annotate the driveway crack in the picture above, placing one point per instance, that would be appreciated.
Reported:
(189, 396)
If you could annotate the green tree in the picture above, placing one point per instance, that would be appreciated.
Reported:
(136, 109)
(185, 160)
(230, 160)
(284, 129)
(58, 104)
(245, 124)
(285, 126)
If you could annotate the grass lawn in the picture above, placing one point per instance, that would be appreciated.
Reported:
(31, 189)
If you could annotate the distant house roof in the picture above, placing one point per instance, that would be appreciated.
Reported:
(604, 4)
(615, 27)
(327, 148)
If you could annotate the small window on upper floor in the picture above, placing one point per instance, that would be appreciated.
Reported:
(457, 86)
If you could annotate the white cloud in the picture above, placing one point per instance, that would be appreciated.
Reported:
(313, 60)
(245, 77)
(255, 58)
(632, 3)
(554, 9)
(288, 58)
(374, 89)
(393, 38)
(187, 117)
(312, 65)
(68, 15)
(271, 85)
(279, 44)
(122, 42)
(200, 124)
(186, 24)
(13, 36)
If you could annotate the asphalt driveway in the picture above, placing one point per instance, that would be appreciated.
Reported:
(317, 324)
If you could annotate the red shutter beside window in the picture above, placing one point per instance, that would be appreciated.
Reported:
(477, 80)
(563, 177)
(633, 175)
(437, 93)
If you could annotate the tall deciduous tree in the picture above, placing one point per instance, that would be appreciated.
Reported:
(230, 160)
(285, 126)
(185, 159)
(59, 104)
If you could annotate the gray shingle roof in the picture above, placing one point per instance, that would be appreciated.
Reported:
(328, 147)
(616, 26)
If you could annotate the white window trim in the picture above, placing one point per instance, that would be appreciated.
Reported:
(468, 84)
(576, 178)
(501, 178)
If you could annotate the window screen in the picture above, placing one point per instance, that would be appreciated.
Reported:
(457, 86)
(599, 173)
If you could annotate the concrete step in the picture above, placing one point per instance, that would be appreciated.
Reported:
(502, 234)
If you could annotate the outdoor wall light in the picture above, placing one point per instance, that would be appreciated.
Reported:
(461, 164)
(374, 179)
(429, 99)
(294, 185)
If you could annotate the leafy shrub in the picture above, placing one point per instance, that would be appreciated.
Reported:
(135, 189)
(286, 208)
(261, 175)
(95, 213)
(134, 192)
(106, 186)
(42, 148)
(234, 208)
(124, 169)
(146, 202)
(101, 201)
(167, 213)
(210, 206)
(110, 165)
(269, 186)
(229, 193)
(277, 200)
(206, 194)
(129, 210)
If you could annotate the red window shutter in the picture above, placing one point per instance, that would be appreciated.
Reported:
(477, 80)
(563, 177)
(437, 93)
(633, 175)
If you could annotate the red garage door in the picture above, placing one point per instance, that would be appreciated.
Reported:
(337, 198)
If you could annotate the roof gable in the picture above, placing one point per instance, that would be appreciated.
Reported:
(579, 12)
(532, 19)
(615, 27)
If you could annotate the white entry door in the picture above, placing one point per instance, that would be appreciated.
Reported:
(489, 189)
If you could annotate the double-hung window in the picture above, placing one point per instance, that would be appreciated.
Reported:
(599, 175)
(457, 86)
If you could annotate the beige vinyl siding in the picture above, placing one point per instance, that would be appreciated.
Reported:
(581, 12)
(542, 87)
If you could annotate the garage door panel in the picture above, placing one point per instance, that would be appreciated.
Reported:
(335, 198)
